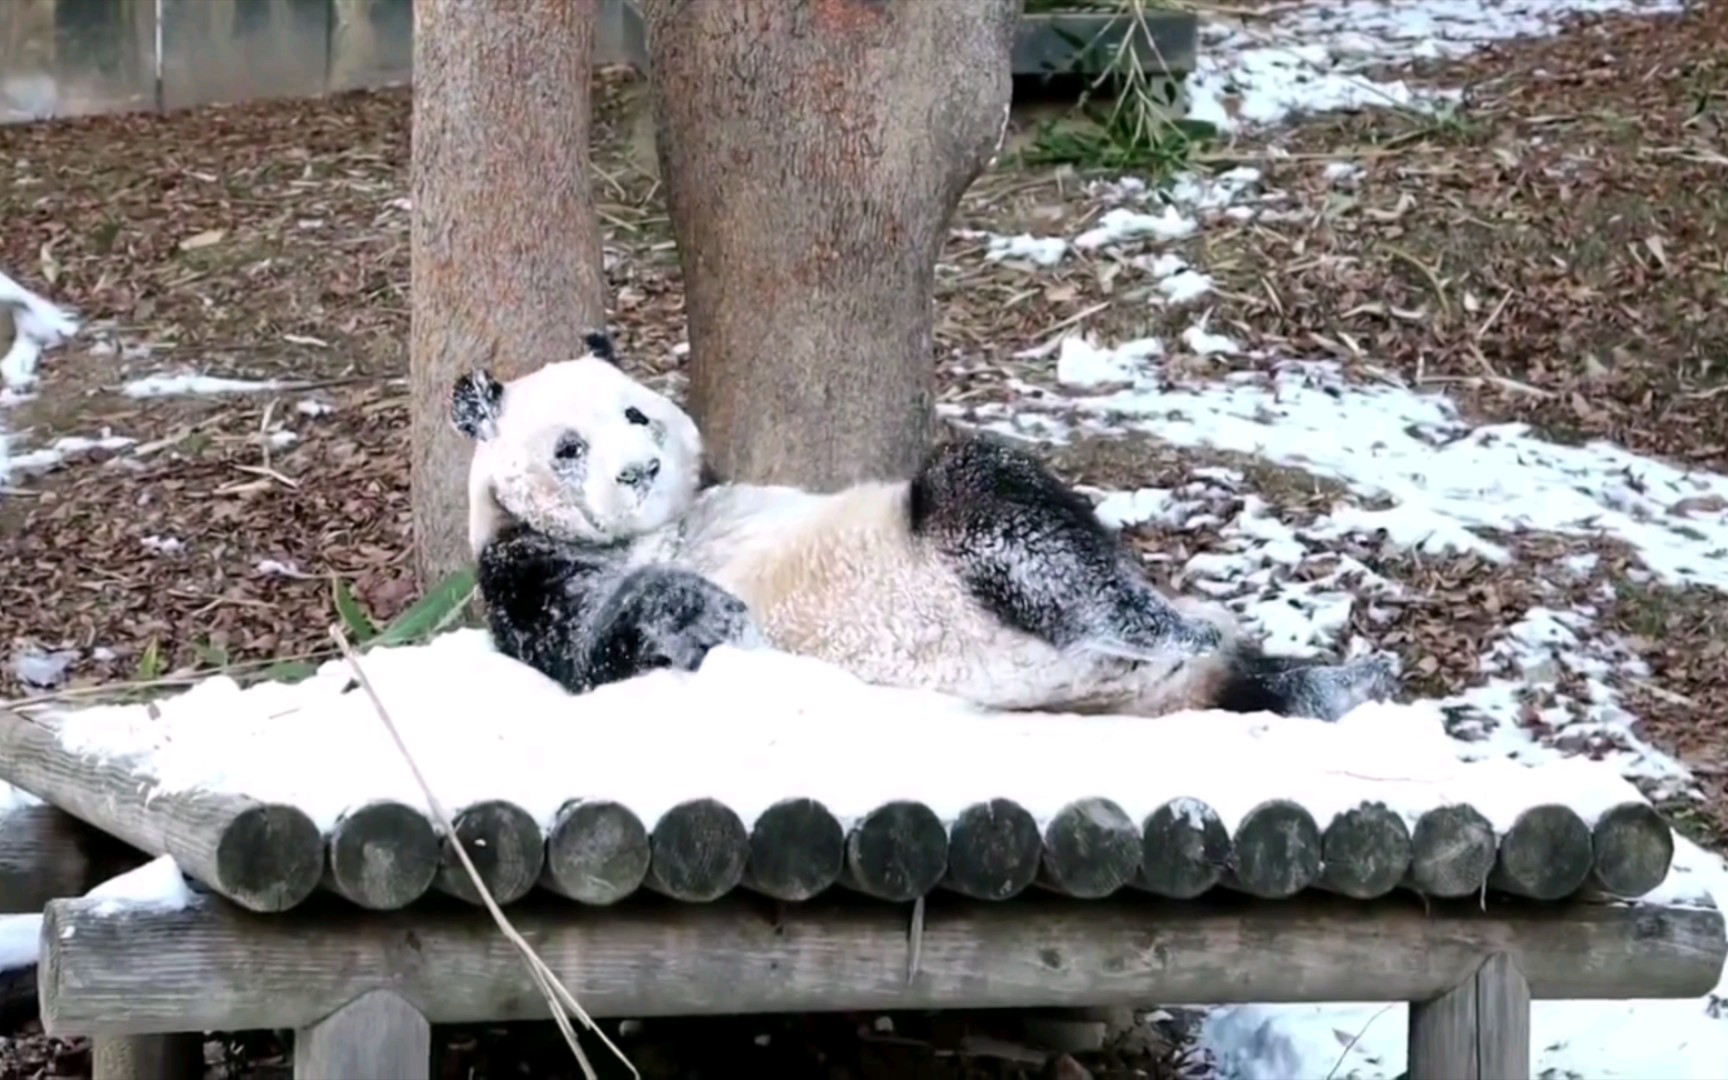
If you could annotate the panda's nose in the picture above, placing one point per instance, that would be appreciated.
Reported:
(639, 474)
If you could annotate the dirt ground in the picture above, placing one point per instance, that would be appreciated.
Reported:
(1552, 253)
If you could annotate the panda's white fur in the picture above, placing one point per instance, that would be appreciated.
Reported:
(844, 577)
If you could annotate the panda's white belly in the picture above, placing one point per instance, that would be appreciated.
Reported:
(840, 577)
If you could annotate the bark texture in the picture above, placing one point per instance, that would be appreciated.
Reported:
(505, 246)
(813, 153)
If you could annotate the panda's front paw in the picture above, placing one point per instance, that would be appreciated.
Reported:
(681, 616)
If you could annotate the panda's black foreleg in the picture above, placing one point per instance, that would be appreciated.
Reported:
(1290, 686)
(656, 617)
(1035, 554)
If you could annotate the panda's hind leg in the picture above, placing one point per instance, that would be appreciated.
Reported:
(1288, 686)
(1034, 553)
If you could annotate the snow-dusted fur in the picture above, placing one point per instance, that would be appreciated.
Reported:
(601, 552)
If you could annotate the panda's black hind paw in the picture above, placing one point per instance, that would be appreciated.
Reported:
(1329, 691)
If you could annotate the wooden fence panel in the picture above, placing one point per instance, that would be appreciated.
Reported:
(231, 51)
(76, 57)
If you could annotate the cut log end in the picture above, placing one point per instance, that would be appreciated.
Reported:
(1633, 849)
(1365, 852)
(1278, 849)
(1546, 855)
(383, 855)
(597, 852)
(269, 857)
(993, 851)
(506, 847)
(1184, 849)
(797, 850)
(897, 852)
(1452, 851)
(698, 851)
(1091, 849)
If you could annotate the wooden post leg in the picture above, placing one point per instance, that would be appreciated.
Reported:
(1477, 1031)
(377, 1036)
(179, 1056)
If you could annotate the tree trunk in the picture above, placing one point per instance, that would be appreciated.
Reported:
(813, 153)
(505, 247)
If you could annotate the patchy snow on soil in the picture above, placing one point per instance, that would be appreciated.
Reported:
(36, 325)
(1420, 479)
(66, 448)
(1310, 57)
(188, 384)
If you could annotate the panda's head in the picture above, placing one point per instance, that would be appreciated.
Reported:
(577, 450)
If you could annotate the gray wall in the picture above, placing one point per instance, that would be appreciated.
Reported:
(78, 57)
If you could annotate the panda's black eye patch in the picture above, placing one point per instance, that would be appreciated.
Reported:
(635, 415)
(570, 447)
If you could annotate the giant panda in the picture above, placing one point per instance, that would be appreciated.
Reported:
(604, 548)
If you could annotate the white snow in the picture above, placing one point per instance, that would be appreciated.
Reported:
(66, 447)
(36, 325)
(192, 384)
(1420, 480)
(1119, 225)
(158, 884)
(1445, 480)
(1205, 343)
(784, 712)
(20, 936)
(1308, 57)
(1041, 250)
(1080, 362)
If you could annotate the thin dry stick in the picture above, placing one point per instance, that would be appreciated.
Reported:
(563, 1003)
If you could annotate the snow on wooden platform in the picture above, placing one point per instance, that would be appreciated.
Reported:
(786, 776)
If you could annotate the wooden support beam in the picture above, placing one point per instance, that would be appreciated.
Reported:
(1452, 851)
(994, 851)
(47, 854)
(377, 1036)
(1184, 849)
(1091, 849)
(797, 849)
(1478, 1030)
(263, 856)
(1546, 855)
(896, 852)
(1277, 851)
(596, 853)
(504, 843)
(173, 1055)
(213, 967)
(697, 851)
(383, 855)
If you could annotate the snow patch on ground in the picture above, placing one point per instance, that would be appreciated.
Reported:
(65, 448)
(190, 384)
(1309, 58)
(1420, 479)
(1424, 480)
(36, 325)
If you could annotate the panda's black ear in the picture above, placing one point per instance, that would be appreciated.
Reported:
(475, 404)
(600, 346)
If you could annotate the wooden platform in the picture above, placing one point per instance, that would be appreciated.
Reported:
(772, 837)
